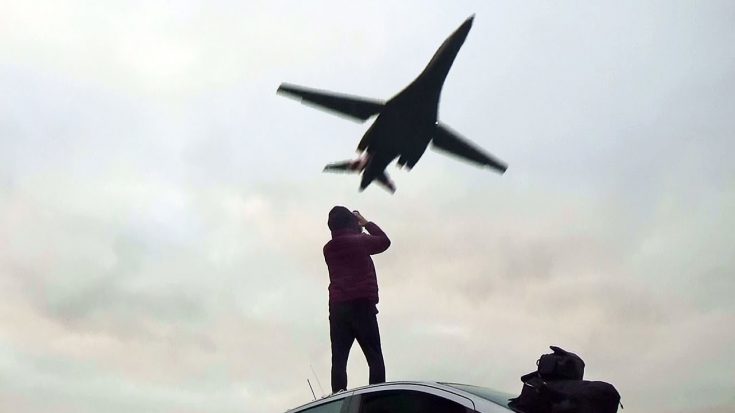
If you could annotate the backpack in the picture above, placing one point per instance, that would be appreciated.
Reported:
(557, 387)
(582, 396)
(533, 398)
(560, 365)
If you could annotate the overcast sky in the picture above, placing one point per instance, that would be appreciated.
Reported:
(162, 210)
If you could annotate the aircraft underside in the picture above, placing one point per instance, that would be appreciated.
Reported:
(405, 124)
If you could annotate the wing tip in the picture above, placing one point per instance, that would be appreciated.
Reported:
(290, 90)
(284, 88)
(498, 167)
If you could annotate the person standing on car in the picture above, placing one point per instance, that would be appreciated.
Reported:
(353, 292)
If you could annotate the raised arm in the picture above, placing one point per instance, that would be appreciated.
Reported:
(376, 241)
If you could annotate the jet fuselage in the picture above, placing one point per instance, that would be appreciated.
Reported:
(405, 125)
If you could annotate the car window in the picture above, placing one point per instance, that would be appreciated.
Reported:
(407, 401)
(331, 407)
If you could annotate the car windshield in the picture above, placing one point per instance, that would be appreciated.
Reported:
(494, 396)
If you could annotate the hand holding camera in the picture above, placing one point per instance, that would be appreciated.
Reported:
(360, 219)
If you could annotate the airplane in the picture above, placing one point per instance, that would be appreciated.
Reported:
(405, 124)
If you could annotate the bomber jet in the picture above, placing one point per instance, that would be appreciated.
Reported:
(405, 124)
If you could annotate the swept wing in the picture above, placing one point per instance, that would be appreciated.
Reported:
(450, 141)
(351, 106)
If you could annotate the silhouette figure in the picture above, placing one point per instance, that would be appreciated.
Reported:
(353, 292)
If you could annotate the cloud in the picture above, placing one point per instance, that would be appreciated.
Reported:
(162, 212)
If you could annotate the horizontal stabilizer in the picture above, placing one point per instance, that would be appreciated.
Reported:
(447, 140)
(352, 106)
(387, 183)
(345, 166)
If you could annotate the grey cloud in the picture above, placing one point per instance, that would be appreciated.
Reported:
(162, 211)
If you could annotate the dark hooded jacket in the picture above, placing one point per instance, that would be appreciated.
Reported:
(351, 270)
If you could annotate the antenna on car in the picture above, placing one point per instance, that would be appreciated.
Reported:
(317, 379)
(312, 389)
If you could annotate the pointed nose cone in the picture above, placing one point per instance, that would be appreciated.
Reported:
(469, 21)
(438, 67)
(453, 43)
(464, 28)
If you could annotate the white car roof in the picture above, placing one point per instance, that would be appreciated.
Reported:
(496, 403)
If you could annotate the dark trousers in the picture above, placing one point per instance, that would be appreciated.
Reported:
(350, 321)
